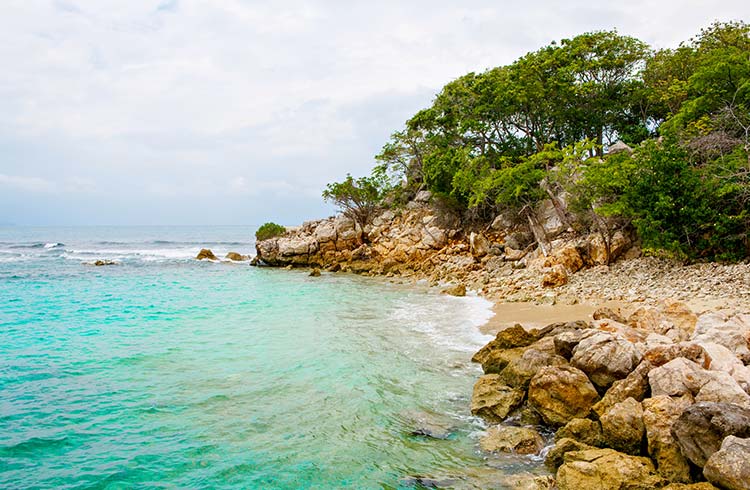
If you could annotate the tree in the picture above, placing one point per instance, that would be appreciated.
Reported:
(357, 198)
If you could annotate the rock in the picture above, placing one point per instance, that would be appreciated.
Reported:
(659, 414)
(660, 355)
(556, 454)
(518, 240)
(556, 276)
(492, 400)
(549, 217)
(608, 313)
(598, 252)
(619, 147)
(622, 426)
(315, 272)
(423, 197)
(690, 486)
(428, 424)
(497, 359)
(515, 336)
(561, 393)
(635, 386)
(722, 359)
(206, 253)
(586, 431)
(702, 427)
(503, 221)
(605, 358)
(100, 263)
(519, 440)
(519, 371)
(568, 257)
(676, 378)
(731, 331)
(729, 467)
(478, 244)
(605, 469)
(566, 341)
(718, 386)
(236, 257)
(457, 290)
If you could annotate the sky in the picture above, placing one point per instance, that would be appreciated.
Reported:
(198, 112)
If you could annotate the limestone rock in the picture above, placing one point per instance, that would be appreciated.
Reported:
(731, 331)
(518, 241)
(676, 378)
(586, 431)
(515, 336)
(497, 359)
(519, 371)
(457, 290)
(609, 313)
(519, 440)
(207, 254)
(561, 393)
(622, 426)
(600, 469)
(315, 272)
(635, 386)
(662, 354)
(100, 262)
(605, 358)
(556, 276)
(423, 197)
(598, 252)
(701, 428)
(503, 221)
(659, 414)
(729, 467)
(236, 256)
(492, 400)
(568, 257)
(479, 245)
(567, 340)
(556, 455)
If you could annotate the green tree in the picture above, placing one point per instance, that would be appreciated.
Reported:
(357, 198)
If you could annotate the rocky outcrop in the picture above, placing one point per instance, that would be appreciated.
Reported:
(206, 254)
(457, 290)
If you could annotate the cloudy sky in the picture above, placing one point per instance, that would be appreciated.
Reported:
(239, 112)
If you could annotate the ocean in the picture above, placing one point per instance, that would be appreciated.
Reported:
(166, 372)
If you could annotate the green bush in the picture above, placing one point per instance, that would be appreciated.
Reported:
(269, 230)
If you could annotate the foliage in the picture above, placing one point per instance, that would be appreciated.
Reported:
(507, 138)
(357, 198)
(269, 230)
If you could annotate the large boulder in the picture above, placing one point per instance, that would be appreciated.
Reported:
(478, 244)
(622, 427)
(555, 276)
(605, 357)
(586, 431)
(659, 414)
(731, 331)
(662, 354)
(676, 378)
(515, 336)
(561, 393)
(701, 428)
(606, 469)
(508, 439)
(237, 257)
(635, 386)
(519, 371)
(493, 400)
(556, 455)
(598, 252)
(729, 467)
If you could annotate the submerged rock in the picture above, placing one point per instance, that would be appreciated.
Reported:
(519, 440)
(457, 290)
(315, 272)
(206, 254)
(99, 263)
(237, 257)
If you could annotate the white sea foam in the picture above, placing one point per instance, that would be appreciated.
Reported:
(446, 320)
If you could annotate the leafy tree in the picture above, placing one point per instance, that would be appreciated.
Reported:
(357, 198)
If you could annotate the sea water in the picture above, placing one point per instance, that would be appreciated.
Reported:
(164, 371)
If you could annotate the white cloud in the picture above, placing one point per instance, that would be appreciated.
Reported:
(30, 184)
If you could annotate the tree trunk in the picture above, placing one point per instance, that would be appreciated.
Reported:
(538, 231)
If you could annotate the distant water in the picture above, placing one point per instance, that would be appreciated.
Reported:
(168, 372)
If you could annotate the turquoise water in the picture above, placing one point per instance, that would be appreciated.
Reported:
(167, 372)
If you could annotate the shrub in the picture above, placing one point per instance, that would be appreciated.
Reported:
(269, 230)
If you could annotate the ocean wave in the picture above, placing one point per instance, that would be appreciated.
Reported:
(34, 446)
(34, 245)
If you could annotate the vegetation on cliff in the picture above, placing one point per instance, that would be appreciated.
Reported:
(269, 230)
(546, 125)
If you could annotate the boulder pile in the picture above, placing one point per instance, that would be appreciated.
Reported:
(660, 399)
